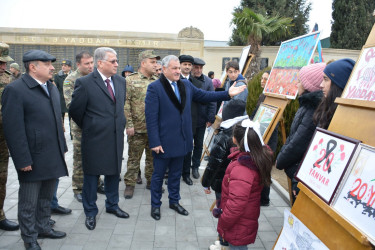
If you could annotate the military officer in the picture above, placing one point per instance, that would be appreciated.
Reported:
(136, 88)
(5, 78)
(85, 65)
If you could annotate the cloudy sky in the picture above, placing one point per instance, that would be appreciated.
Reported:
(212, 17)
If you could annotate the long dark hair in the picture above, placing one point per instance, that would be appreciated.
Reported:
(261, 155)
(327, 107)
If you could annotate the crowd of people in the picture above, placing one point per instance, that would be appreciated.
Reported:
(164, 106)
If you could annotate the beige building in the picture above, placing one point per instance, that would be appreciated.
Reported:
(65, 44)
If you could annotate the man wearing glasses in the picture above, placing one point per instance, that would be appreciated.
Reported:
(97, 107)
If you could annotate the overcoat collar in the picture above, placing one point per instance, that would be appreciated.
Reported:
(32, 83)
(168, 89)
(99, 81)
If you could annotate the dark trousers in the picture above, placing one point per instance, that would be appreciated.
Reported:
(265, 195)
(198, 146)
(186, 165)
(34, 199)
(174, 175)
(89, 195)
(55, 201)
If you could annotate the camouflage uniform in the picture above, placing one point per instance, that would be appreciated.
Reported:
(136, 88)
(5, 79)
(76, 132)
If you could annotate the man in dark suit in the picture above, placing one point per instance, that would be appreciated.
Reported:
(35, 137)
(97, 107)
(168, 119)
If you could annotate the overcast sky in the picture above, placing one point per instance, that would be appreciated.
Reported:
(212, 17)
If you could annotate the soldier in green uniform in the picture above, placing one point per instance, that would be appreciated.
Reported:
(5, 78)
(85, 65)
(136, 88)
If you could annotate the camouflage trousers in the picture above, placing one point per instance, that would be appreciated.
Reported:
(77, 177)
(4, 158)
(137, 144)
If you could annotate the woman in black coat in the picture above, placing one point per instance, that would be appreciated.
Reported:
(302, 128)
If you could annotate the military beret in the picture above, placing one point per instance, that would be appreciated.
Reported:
(198, 61)
(67, 62)
(186, 58)
(37, 55)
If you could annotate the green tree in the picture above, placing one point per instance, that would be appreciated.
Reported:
(352, 23)
(298, 10)
(252, 27)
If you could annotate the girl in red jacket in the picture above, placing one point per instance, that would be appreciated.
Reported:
(248, 172)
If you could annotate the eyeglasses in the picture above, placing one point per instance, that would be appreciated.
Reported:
(113, 61)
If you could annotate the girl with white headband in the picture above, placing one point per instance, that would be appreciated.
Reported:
(249, 170)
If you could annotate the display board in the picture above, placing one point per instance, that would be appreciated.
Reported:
(325, 162)
(265, 115)
(361, 84)
(291, 57)
(355, 199)
(243, 58)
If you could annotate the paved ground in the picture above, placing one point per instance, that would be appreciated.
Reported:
(140, 231)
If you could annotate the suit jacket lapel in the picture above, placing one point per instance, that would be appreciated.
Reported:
(99, 81)
(172, 96)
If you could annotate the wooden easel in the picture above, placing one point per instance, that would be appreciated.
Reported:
(337, 232)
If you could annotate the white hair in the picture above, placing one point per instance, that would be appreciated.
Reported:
(101, 54)
(167, 59)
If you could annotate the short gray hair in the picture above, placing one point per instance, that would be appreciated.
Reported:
(158, 62)
(101, 54)
(167, 59)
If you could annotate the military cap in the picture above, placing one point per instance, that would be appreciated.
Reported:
(15, 66)
(4, 53)
(67, 62)
(148, 54)
(37, 55)
(186, 58)
(198, 61)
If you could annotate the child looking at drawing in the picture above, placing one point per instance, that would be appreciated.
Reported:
(247, 173)
(303, 127)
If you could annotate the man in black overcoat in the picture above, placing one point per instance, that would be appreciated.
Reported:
(97, 107)
(35, 137)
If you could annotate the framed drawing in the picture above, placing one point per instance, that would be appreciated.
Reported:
(265, 115)
(361, 84)
(355, 199)
(243, 58)
(325, 162)
(291, 57)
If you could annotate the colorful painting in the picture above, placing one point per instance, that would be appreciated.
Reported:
(355, 199)
(325, 162)
(361, 84)
(265, 115)
(292, 56)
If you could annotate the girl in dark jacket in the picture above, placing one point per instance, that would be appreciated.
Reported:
(338, 73)
(249, 170)
(302, 129)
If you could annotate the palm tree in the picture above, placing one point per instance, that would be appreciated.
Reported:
(252, 27)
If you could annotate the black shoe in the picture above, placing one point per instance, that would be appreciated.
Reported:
(178, 208)
(119, 213)
(8, 225)
(100, 189)
(52, 235)
(155, 213)
(187, 180)
(32, 246)
(61, 210)
(90, 222)
(51, 222)
(78, 197)
(195, 173)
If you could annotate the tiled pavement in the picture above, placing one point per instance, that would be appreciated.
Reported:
(140, 231)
